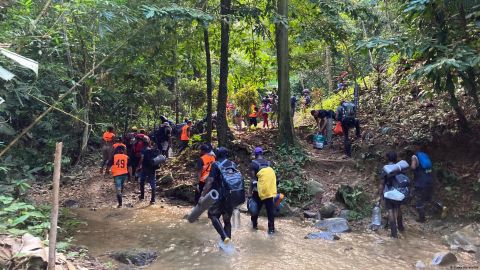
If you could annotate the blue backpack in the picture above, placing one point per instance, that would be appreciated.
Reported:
(233, 186)
(424, 161)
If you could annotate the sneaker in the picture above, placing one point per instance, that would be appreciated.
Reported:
(226, 240)
(271, 231)
(119, 206)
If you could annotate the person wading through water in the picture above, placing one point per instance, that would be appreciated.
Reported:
(148, 170)
(263, 189)
(121, 170)
(227, 180)
(204, 166)
(395, 218)
(107, 147)
(185, 136)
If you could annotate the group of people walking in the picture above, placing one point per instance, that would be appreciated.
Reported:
(137, 155)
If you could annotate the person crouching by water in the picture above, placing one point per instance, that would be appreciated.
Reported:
(395, 218)
(263, 189)
(121, 170)
(204, 166)
(221, 208)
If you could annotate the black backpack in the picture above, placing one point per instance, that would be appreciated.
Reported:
(233, 186)
(177, 130)
(348, 109)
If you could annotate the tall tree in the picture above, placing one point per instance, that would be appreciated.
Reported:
(285, 130)
(206, 41)
(222, 125)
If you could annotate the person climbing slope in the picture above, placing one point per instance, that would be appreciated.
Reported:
(346, 115)
(395, 218)
(225, 178)
(107, 147)
(148, 166)
(185, 136)
(263, 189)
(204, 166)
(163, 137)
(253, 116)
(121, 170)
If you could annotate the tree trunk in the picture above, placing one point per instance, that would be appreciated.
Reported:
(209, 84)
(222, 125)
(462, 120)
(328, 68)
(286, 134)
(175, 87)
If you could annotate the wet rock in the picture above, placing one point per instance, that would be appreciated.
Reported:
(444, 258)
(322, 235)
(166, 180)
(310, 214)
(344, 214)
(328, 210)
(420, 265)
(138, 257)
(467, 238)
(334, 225)
(71, 204)
(182, 192)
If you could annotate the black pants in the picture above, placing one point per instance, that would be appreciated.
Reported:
(149, 177)
(217, 210)
(198, 192)
(348, 123)
(253, 121)
(183, 146)
(423, 195)
(269, 206)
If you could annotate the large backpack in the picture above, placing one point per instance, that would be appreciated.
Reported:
(266, 180)
(177, 130)
(233, 186)
(424, 161)
(348, 109)
(401, 182)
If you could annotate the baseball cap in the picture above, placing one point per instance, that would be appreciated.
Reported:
(258, 150)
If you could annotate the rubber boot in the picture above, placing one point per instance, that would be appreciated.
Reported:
(119, 199)
(218, 227)
(400, 223)
(421, 215)
(393, 229)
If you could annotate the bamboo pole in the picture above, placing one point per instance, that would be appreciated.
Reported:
(54, 213)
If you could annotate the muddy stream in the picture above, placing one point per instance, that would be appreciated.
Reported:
(181, 245)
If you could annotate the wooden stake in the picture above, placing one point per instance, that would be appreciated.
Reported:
(54, 214)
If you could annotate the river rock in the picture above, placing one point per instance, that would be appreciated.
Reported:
(310, 214)
(334, 225)
(344, 214)
(420, 265)
(166, 180)
(322, 235)
(444, 258)
(467, 238)
(315, 188)
(182, 192)
(328, 210)
(138, 257)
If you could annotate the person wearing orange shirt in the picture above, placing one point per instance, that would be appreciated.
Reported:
(204, 165)
(108, 139)
(121, 170)
(185, 136)
(253, 115)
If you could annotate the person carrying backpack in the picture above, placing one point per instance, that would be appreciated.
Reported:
(263, 189)
(121, 170)
(185, 136)
(163, 137)
(150, 161)
(108, 138)
(389, 183)
(204, 166)
(228, 181)
(422, 176)
(346, 115)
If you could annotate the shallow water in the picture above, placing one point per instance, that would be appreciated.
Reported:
(182, 245)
